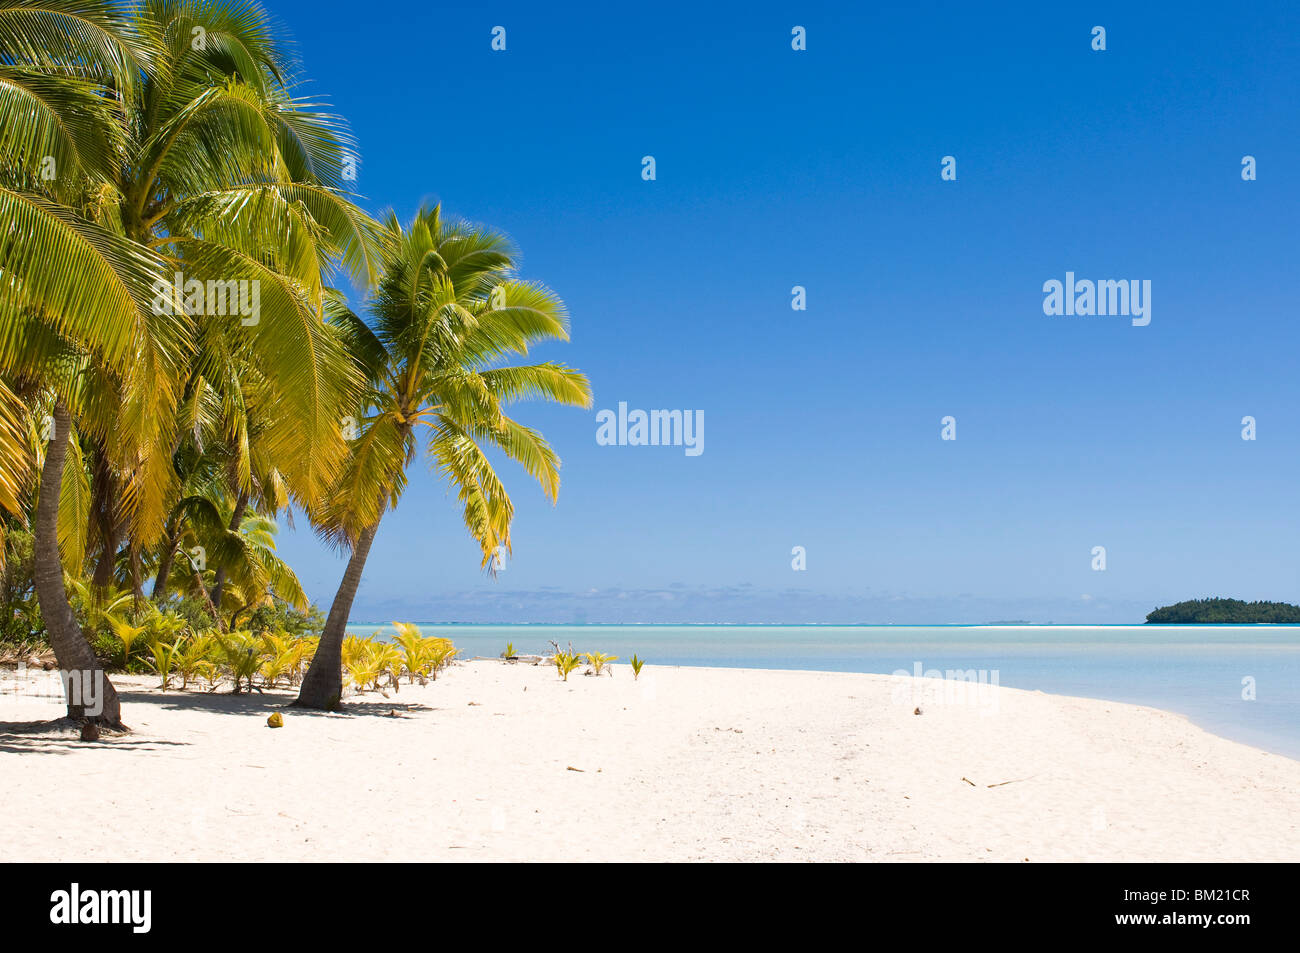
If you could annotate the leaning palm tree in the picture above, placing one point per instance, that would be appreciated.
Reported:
(142, 157)
(449, 309)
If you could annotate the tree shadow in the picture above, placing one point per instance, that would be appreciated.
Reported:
(63, 735)
(261, 702)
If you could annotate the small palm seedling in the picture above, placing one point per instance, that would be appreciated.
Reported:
(192, 659)
(361, 665)
(636, 664)
(391, 663)
(566, 662)
(166, 658)
(241, 652)
(281, 655)
(354, 649)
(211, 668)
(127, 634)
(415, 647)
(440, 654)
(509, 653)
(375, 660)
(599, 660)
(167, 626)
(305, 646)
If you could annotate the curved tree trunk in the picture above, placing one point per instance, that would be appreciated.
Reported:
(90, 694)
(322, 686)
(235, 521)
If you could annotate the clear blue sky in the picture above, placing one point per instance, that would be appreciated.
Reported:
(821, 168)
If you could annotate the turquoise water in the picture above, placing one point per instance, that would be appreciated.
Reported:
(1196, 671)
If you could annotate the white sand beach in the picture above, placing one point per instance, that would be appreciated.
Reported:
(505, 762)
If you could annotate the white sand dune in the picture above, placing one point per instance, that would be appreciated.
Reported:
(686, 764)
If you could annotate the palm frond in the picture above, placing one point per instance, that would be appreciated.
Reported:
(15, 460)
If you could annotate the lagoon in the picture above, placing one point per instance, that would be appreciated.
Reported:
(1206, 673)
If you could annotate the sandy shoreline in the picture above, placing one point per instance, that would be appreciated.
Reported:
(686, 764)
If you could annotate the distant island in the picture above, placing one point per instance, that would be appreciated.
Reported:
(1224, 611)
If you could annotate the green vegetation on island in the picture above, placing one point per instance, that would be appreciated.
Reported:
(1224, 612)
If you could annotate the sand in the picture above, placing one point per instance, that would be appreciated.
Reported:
(505, 762)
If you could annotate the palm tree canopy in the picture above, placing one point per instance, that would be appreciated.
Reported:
(449, 311)
(170, 140)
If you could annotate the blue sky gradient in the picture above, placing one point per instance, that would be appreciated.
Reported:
(821, 168)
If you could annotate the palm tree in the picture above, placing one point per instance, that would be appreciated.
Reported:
(253, 572)
(224, 454)
(256, 575)
(448, 309)
(176, 147)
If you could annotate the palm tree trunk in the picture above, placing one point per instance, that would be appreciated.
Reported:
(164, 567)
(90, 694)
(322, 686)
(104, 513)
(137, 578)
(207, 600)
(235, 522)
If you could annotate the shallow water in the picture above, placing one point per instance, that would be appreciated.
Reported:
(1197, 671)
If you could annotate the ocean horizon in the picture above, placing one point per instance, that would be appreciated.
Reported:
(1238, 681)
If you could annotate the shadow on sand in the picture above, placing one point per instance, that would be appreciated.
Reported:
(63, 735)
(257, 702)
